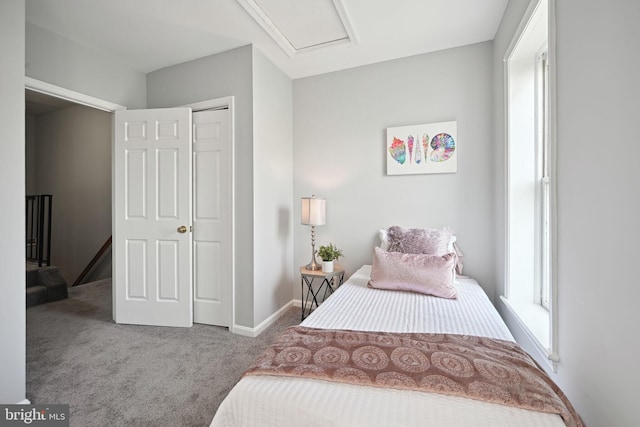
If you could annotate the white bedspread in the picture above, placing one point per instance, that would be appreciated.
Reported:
(365, 309)
(283, 402)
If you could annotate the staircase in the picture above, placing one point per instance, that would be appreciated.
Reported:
(44, 284)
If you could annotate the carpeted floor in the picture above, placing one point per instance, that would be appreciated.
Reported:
(127, 375)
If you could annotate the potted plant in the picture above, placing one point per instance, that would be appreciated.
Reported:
(328, 254)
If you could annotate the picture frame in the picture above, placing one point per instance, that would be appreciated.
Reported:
(422, 149)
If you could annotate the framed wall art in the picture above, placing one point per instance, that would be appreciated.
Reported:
(418, 149)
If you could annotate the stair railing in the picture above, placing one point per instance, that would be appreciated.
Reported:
(38, 228)
(93, 262)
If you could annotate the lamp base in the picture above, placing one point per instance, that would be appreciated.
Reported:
(313, 266)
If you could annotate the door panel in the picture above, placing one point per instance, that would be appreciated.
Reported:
(168, 184)
(152, 199)
(207, 270)
(137, 283)
(168, 267)
(207, 170)
(136, 183)
(212, 222)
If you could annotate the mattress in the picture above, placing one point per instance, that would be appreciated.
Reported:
(279, 401)
(358, 307)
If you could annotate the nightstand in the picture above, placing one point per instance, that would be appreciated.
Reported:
(328, 281)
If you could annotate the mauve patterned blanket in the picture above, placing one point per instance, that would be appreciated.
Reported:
(477, 368)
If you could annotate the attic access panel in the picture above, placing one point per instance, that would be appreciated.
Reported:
(302, 25)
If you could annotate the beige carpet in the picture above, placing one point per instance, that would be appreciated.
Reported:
(127, 375)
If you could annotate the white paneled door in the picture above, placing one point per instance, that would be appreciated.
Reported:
(212, 249)
(152, 217)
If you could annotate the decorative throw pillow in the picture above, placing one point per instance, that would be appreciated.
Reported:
(384, 239)
(420, 240)
(425, 274)
(459, 258)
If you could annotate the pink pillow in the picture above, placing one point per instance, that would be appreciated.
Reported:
(425, 274)
(430, 241)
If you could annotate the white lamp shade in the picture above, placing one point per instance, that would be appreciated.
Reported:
(313, 211)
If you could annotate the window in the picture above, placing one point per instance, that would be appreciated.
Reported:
(530, 180)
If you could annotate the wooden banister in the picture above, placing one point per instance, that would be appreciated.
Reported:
(93, 262)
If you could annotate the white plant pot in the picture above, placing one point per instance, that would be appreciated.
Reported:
(327, 266)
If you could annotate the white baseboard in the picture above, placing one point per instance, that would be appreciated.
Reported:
(24, 402)
(254, 332)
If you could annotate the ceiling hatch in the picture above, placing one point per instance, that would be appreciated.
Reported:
(302, 25)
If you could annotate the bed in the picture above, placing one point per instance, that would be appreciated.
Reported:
(273, 400)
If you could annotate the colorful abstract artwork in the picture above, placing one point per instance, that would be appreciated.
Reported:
(419, 149)
(398, 151)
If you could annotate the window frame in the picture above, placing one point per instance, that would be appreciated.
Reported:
(543, 176)
(525, 315)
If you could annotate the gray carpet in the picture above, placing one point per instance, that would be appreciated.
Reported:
(127, 375)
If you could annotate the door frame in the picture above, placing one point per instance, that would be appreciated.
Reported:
(88, 101)
(70, 95)
(110, 107)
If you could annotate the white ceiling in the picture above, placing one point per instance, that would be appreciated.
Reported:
(152, 34)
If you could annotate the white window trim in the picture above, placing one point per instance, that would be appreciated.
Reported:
(550, 353)
(544, 181)
(553, 355)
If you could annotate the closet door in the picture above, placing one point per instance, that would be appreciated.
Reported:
(212, 222)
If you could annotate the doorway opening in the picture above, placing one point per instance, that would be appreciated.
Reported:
(68, 156)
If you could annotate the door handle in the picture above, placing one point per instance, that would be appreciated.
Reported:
(182, 229)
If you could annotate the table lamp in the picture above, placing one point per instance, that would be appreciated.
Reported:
(313, 213)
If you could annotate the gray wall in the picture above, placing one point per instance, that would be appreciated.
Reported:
(30, 153)
(65, 63)
(12, 175)
(598, 64)
(339, 133)
(226, 74)
(73, 162)
(272, 186)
